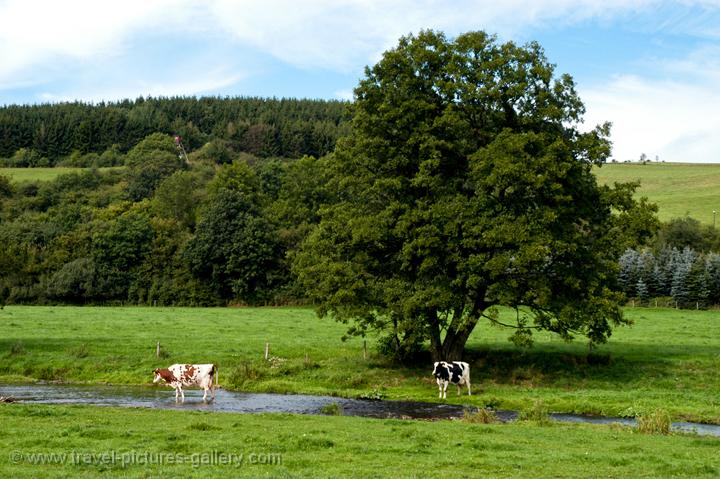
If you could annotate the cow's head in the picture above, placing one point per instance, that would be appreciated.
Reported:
(157, 374)
(440, 370)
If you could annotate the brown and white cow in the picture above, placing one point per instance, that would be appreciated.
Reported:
(456, 372)
(179, 375)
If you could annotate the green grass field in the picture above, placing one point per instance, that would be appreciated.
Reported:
(96, 441)
(20, 175)
(669, 359)
(678, 189)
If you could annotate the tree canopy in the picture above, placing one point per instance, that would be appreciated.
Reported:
(466, 184)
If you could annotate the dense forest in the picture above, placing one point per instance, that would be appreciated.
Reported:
(160, 230)
(212, 227)
(223, 224)
(42, 135)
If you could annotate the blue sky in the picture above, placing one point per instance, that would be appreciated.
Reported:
(652, 68)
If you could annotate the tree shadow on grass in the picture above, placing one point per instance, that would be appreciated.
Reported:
(537, 366)
(567, 364)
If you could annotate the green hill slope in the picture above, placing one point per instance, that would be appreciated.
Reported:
(678, 189)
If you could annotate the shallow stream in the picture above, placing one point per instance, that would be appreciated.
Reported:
(239, 402)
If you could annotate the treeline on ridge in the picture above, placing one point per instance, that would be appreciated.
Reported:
(42, 135)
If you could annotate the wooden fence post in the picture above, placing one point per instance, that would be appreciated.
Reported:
(267, 350)
(364, 349)
(157, 350)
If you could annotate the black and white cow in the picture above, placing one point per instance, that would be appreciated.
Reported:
(179, 375)
(456, 372)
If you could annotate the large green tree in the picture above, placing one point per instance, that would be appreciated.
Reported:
(466, 184)
(235, 249)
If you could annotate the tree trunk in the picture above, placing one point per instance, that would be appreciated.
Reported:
(453, 345)
(435, 342)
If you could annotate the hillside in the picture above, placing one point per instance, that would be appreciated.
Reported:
(678, 189)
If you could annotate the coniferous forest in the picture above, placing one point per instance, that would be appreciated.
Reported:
(44, 134)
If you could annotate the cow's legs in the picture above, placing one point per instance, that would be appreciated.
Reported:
(182, 394)
(468, 385)
(177, 392)
(445, 385)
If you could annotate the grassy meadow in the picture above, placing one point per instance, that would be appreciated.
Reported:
(669, 359)
(678, 189)
(281, 445)
(21, 175)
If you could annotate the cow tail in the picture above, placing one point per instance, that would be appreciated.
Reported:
(215, 375)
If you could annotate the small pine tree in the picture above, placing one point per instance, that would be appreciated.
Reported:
(680, 287)
(658, 283)
(712, 267)
(698, 284)
(642, 291)
(627, 278)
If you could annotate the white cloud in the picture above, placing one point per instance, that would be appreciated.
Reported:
(344, 95)
(341, 34)
(671, 112)
(676, 121)
(34, 32)
(210, 82)
(337, 34)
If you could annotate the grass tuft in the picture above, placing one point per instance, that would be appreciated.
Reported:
(373, 395)
(538, 413)
(17, 349)
(481, 416)
(202, 426)
(80, 351)
(248, 371)
(656, 422)
(332, 409)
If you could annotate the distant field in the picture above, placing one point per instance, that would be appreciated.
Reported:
(19, 175)
(678, 189)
